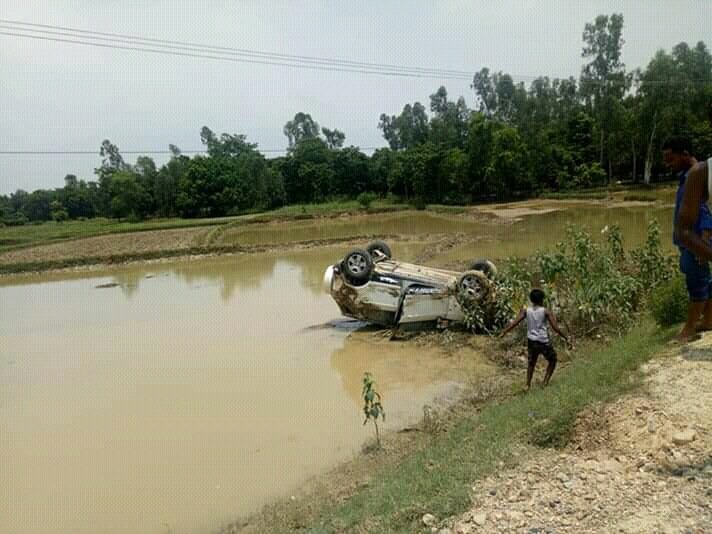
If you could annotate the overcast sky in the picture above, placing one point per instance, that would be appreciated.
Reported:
(59, 96)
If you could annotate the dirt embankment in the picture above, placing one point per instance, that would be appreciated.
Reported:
(109, 245)
(642, 464)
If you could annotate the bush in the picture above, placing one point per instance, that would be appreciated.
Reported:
(589, 174)
(419, 204)
(366, 199)
(16, 219)
(592, 287)
(668, 303)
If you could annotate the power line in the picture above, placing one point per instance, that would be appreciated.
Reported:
(133, 152)
(236, 59)
(237, 51)
(244, 55)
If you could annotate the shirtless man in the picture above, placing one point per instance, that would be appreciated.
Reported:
(691, 215)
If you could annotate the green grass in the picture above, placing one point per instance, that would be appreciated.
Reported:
(448, 209)
(396, 500)
(335, 207)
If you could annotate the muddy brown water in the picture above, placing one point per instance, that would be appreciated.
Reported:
(183, 395)
(532, 233)
(178, 402)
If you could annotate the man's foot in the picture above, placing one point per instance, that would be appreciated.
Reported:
(687, 335)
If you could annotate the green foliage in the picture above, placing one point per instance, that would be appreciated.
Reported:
(668, 302)
(651, 265)
(588, 175)
(366, 199)
(59, 214)
(591, 286)
(372, 407)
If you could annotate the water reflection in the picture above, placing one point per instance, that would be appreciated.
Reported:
(235, 273)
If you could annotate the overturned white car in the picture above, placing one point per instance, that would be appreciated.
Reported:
(371, 286)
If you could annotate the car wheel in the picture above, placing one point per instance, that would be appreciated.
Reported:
(379, 246)
(357, 266)
(484, 266)
(473, 286)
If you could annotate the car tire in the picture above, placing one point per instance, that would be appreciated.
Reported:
(473, 287)
(485, 266)
(381, 247)
(357, 265)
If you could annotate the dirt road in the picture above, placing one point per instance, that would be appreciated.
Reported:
(642, 464)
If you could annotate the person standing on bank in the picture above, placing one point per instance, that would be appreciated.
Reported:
(692, 216)
(538, 342)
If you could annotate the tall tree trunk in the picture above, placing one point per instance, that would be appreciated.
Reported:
(649, 155)
(635, 159)
(610, 171)
(601, 145)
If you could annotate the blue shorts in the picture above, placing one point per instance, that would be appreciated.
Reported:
(697, 276)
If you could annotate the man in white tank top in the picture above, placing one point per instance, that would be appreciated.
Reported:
(693, 205)
(538, 342)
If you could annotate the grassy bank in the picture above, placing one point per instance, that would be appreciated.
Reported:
(29, 235)
(436, 479)
(628, 190)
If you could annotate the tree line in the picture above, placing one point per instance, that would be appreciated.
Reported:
(518, 140)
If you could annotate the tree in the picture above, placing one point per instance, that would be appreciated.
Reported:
(233, 178)
(301, 185)
(128, 198)
(507, 168)
(382, 163)
(448, 126)
(334, 138)
(58, 212)
(604, 81)
(166, 183)
(497, 95)
(112, 162)
(37, 205)
(352, 174)
(77, 198)
(301, 127)
(146, 174)
(675, 91)
(226, 144)
(406, 130)
(453, 176)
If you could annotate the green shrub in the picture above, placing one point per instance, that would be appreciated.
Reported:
(419, 203)
(589, 174)
(592, 287)
(16, 219)
(668, 302)
(366, 199)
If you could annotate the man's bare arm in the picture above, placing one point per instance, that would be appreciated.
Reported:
(513, 324)
(695, 194)
(554, 324)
